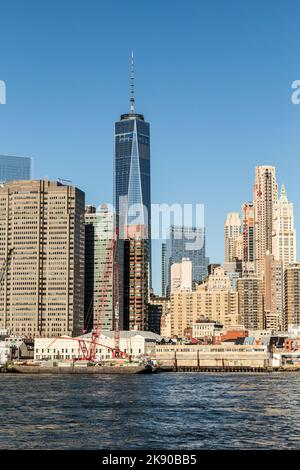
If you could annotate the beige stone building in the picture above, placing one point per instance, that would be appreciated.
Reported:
(213, 300)
(165, 319)
(42, 292)
(232, 235)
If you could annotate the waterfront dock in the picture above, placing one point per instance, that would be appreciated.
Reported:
(90, 370)
(231, 369)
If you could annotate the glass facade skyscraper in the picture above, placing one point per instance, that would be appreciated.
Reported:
(98, 268)
(132, 201)
(187, 242)
(132, 169)
(15, 168)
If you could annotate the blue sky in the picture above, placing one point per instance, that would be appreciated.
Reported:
(212, 78)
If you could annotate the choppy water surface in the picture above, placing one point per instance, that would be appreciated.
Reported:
(164, 411)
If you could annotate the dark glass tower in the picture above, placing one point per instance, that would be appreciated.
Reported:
(132, 198)
(132, 165)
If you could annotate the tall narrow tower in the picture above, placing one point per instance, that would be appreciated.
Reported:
(232, 233)
(264, 199)
(132, 194)
(132, 200)
(284, 239)
(248, 237)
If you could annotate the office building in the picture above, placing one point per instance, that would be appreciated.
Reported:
(187, 242)
(251, 301)
(99, 268)
(292, 296)
(271, 316)
(15, 168)
(132, 197)
(42, 293)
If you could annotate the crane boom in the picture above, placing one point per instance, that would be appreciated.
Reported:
(111, 271)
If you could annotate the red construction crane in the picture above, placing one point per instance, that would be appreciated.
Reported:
(111, 271)
(117, 353)
(88, 347)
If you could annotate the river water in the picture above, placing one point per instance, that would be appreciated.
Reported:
(160, 411)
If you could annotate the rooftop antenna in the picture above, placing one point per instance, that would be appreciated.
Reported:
(132, 102)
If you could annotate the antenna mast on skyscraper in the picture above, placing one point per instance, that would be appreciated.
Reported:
(132, 85)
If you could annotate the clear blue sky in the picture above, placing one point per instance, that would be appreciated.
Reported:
(212, 77)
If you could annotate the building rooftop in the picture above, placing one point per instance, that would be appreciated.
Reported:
(127, 334)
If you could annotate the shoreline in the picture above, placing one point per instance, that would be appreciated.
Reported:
(36, 370)
(110, 370)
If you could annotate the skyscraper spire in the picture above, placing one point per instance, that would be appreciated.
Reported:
(132, 86)
(283, 195)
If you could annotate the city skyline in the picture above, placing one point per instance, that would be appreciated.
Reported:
(71, 123)
(149, 230)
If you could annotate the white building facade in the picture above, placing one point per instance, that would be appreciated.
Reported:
(134, 344)
(284, 239)
(181, 276)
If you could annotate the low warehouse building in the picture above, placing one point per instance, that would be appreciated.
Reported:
(133, 343)
(195, 355)
(15, 348)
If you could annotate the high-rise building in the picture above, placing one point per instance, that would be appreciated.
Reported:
(284, 239)
(15, 168)
(264, 198)
(280, 293)
(271, 317)
(232, 234)
(136, 281)
(181, 276)
(248, 237)
(99, 268)
(251, 301)
(132, 168)
(187, 242)
(292, 295)
(42, 293)
(163, 269)
(132, 196)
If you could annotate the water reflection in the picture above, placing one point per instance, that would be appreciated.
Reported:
(170, 411)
